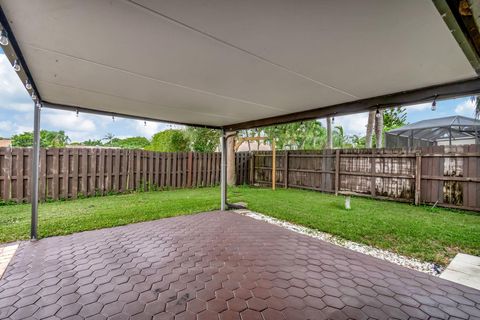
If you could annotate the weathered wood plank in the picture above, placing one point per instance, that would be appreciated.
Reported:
(7, 171)
(116, 170)
(84, 179)
(101, 174)
(75, 166)
(66, 173)
(92, 168)
(20, 175)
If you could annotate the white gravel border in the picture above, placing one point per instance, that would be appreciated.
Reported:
(410, 263)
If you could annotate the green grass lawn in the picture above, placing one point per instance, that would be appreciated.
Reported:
(65, 217)
(430, 235)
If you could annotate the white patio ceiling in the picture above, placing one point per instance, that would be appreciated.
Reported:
(221, 62)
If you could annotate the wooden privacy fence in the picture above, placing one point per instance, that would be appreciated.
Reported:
(73, 172)
(441, 175)
(447, 176)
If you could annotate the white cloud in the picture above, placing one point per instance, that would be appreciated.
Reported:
(18, 106)
(419, 107)
(151, 128)
(352, 124)
(13, 95)
(466, 108)
(5, 126)
(147, 129)
(68, 121)
(22, 128)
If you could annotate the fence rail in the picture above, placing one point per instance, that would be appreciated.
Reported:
(73, 172)
(441, 175)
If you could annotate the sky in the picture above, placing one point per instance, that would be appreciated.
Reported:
(16, 115)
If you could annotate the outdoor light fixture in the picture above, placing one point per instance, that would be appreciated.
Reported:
(28, 85)
(145, 123)
(377, 115)
(16, 65)
(434, 104)
(77, 113)
(34, 97)
(113, 118)
(4, 38)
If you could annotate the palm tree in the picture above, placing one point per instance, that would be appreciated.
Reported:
(379, 129)
(108, 138)
(476, 101)
(329, 133)
(370, 124)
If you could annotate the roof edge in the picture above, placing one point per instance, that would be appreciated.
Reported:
(427, 94)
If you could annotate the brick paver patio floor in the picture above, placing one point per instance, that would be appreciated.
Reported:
(216, 266)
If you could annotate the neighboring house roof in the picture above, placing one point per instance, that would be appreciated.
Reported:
(254, 146)
(459, 127)
(5, 143)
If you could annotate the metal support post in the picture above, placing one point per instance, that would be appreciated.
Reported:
(34, 177)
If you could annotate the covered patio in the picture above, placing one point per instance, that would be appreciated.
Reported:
(228, 65)
(217, 265)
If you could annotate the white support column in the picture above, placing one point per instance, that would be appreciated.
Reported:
(223, 175)
(34, 175)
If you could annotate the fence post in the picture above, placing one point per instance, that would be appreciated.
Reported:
(274, 165)
(337, 171)
(418, 177)
(190, 165)
(252, 168)
(20, 175)
(285, 169)
(372, 174)
(7, 176)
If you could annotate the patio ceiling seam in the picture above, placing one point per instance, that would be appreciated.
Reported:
(134, 100)
(233, 46)
(152, 78)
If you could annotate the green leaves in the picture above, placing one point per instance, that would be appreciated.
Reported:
(172, 140)
(47, 139)
(203, 139)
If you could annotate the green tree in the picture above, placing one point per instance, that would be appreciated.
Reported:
(171, 140)
(130, 143)
(109, 139)
(92, 143)
(305, 135)
(394, 118)
(340, 139)
(358, 141)
(47, 139)
(203, 139)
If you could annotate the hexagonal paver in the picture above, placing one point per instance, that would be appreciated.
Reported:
(236, 304)
(217, 305)
(256, 304)
(178, 269)
(196, 306)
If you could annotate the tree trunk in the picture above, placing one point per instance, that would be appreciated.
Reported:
(329, 133)
(231, 158)
(379, 130)
(369, 135)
